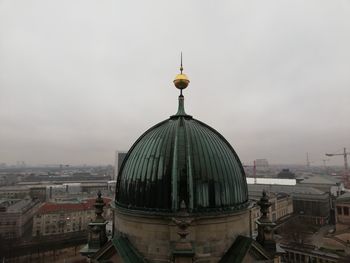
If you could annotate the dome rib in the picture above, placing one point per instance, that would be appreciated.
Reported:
(209, 172)
(189, 157)
(174, 174)
(201, 175)
(217, 166)
(181, 159)
(235, 165)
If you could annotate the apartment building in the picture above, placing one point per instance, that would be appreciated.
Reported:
(60, 218)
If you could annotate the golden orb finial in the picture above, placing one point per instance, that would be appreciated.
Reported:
(181, 81)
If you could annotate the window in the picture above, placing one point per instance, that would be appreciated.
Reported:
(273, 207)
(339, 212)
(346, 210)
(273, 217)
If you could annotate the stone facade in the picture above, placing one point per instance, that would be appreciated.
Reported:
(14, 192)
(305, 253)
(154, 236)
(282, 207)
(58, 218)
(310, 204)
(343, 213)
(16, 219)
(341, 236)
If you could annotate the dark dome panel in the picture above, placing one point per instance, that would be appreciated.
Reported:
(218, 175)
(145, 177)
(181, 159)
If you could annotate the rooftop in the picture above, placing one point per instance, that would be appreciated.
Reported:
(344, 197)
(22, 206)
(14, 188)
(87, 204)
(278, 181)
(288, 189)
(319, 179)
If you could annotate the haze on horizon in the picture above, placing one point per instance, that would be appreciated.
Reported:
(81, 79)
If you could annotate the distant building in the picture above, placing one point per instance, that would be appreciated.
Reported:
(342, 213)
(47, 191)
(38, 193)
(307, 253)
(322, 182)
(341, 236)
(57, 191)
(312, 205)
(271, 181)
(57, 178)
(14, 192)
(281, 207)
(119, 158)
(93, 188)
(8, 179)
(261, 164)
(111, 186)
(286, 174)
(16, 217)
(53, 191)
(58, 218)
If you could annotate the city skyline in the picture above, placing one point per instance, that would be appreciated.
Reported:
(272, 77)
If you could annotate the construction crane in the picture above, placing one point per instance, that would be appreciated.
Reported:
(308, 162)
(254, 170)
(346, 172)
(345, 154)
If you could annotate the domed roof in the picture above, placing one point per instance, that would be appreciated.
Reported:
(181, 160)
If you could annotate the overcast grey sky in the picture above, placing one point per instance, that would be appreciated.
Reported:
(81, 79)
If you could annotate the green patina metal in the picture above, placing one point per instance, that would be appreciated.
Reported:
(181, 109)
(181, 159)
(238, 250)
(126, 251)
(243, 246)
(174, 175)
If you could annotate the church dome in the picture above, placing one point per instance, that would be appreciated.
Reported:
(181, 162)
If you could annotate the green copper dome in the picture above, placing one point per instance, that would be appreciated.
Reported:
(181, 160)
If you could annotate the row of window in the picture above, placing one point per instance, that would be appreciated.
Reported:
(282, 212)
(53, 230)
(8, 223)
(296, 257)
(343, 210)
(8, 235)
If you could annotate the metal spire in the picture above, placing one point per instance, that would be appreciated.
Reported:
(181, 67)
(181, 82)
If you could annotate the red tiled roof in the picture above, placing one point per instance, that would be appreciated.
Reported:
(87, 204)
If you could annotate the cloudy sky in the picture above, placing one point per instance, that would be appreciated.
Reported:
(81, 79)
